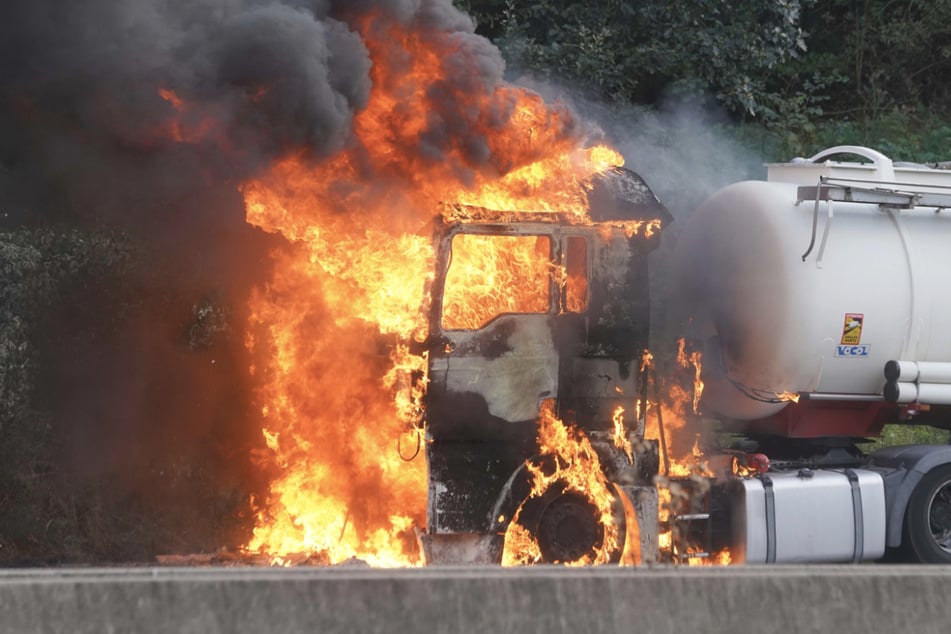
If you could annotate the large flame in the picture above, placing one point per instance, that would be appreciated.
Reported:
(692, 360)
(341, 391)
(492, 275)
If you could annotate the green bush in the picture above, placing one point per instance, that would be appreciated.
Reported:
(915, 136)
(893, 435)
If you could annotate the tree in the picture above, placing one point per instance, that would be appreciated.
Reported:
(876, 73)
(891, 54)
(636, 51)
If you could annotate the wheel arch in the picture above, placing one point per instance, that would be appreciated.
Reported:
(510, 498)
(904, 467)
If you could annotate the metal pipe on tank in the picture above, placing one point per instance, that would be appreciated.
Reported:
(927, 393)
(896, 392)
(839, 396)
(918, 372)
(884, 168)
(934, 393)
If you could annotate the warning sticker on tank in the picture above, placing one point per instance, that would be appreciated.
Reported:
(852, 330)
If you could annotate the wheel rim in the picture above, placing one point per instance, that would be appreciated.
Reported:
(939, 517)
(569, 529)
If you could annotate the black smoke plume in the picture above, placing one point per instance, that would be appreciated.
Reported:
(139, 119)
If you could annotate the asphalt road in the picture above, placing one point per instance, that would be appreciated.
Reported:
(748, 600)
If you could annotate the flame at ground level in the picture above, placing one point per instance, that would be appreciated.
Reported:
(576, 469)
(332, 424)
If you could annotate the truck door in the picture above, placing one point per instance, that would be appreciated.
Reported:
(495, 354)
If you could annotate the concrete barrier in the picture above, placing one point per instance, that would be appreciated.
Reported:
(869, 599)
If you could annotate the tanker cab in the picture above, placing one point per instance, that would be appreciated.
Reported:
(502, 296)
(523, 313)
(531, 309)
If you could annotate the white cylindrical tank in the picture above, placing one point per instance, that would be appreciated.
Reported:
(783, 309)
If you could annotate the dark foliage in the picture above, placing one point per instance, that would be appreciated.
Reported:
(797, 75)
(106, 453)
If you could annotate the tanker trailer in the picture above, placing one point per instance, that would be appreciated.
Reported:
(820, 300)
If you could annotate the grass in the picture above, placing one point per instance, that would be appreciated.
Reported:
(893, 435)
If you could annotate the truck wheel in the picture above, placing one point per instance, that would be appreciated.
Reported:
(927, 531)
(569, 529)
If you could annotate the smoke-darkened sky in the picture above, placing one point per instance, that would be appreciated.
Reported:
(79, 84)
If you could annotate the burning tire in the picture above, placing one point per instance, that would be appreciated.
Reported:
(927, 535)
(569, 529)
(566, 527)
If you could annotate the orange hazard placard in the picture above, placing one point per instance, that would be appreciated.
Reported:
(852, 330)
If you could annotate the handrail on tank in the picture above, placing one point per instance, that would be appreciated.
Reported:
(883, 165)
(886, 170)
(873, 192)
(815, 223)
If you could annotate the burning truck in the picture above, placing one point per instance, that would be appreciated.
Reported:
(448, 353)
(814, 300)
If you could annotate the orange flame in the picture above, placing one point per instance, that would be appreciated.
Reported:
(791, 397)
(492, 275)
(331, 422)
(578, 469)
(185, 126)
(340, 386)
(620, 437)
(674, 407)
(741, 470)
(685, 361)
(527, 188)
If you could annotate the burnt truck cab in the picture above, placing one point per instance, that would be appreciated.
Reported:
(567, 323)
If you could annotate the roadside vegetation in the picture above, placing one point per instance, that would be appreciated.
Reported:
(793, 76)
